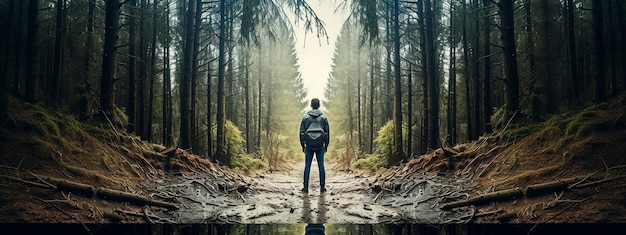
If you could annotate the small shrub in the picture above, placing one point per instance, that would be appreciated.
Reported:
(246, 163)
(371, 163)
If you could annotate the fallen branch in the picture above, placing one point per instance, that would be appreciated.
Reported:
(488, 213)
(27, 182)
(529, 191)
(486, 198)
(507, 216)
(106, 193)
(147, 216)
(64, 212)
(599, 181)
(144, 215)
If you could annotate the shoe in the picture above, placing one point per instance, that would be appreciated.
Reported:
(304, 190)
(323, 189)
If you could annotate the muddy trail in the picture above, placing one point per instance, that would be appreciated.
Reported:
(275, 198)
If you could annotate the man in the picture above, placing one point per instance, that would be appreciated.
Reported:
(314, 139)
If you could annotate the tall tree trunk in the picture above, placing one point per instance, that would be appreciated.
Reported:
(260, 101)
(270, 94)
(452, 103)
(84, 100)
(612, 50)
(230, 102)
(478, 123)
(209, 94)
(598, 41)
(425, 80)
(573, 57)
(544, 43)
(18, 56)
(143, 68)
(32, 69)
(359, 102)
(372, 90)
(221, 140)
(185, 94)
(536, 102)
(194, 76)
(109, 58)
(349, 89)
(409, 124)
(487, 68)
(58, 47)
(131, 110)
(398, 154)
(388, 115)
(153, 72)
(466, 74)
(621, 23)
(433, 80)
(247, 95)
(6, 39)
(509, 53)
(167, 89)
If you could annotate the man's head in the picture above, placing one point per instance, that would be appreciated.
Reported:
(315, 103)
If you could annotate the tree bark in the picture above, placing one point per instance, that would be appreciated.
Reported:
(221, 141)
(143, 74)
(433, 80)
(598, 42)
(452, 102)
(167, 95)
(509, 53)
(209, 83)
(18, 56)
(372, 90)
(153, 72)
(487, 109)
(195, 144)
(109, 58)
(397, 101)
(621, 23)
(32, 69)
(532, 60)
(478, 122)
(466, 74)
(185, 94)
(573, 61)
(247, 95)
(58, 51)
(131, 109)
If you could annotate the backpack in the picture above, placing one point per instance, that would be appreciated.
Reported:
(315, 136)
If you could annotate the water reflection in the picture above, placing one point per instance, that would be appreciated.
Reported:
(321, 205)
(314, 226)
(314, 229)
(306, 209)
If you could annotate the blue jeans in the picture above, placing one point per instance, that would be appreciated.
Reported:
(308, 158)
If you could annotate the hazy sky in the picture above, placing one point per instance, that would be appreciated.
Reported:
(315, 56)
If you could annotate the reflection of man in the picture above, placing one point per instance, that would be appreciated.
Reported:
(314, 229)
(306, 210)
(321, 206)
(314, 139)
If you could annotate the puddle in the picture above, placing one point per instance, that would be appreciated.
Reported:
(276, 199)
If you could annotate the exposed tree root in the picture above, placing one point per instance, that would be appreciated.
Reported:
(529, 191)
(103, 193)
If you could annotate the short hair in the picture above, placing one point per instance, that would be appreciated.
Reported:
(315, 103)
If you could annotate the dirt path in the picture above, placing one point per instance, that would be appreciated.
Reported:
(276, 199)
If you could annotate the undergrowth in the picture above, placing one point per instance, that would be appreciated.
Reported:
(563, 128)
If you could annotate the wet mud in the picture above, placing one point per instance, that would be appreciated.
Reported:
(275, 198)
